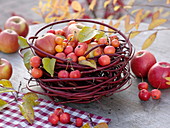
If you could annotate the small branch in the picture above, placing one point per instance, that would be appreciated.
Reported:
(156, 5)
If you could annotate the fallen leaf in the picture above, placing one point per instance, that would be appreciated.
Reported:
(76, 6)
(30, 98)
(131, 2)
(167, 1)
(87, 125)
(149, 41)
(27, 111)
(156, 23)
(101, 125)
(3, 104)
(3, 90)
(133, 34)
(6, 83)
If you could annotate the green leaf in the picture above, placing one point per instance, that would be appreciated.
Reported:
(100, 34)
(87, 33)
(27, 57)
(30, 98)
(27, 111)
(49, 65)
(90, 63)
(6, 83)
(22, 42)
(3, 104)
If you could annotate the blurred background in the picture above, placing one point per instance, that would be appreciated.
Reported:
(24, 8)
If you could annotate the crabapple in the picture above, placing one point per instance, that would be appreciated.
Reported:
(104, 60)
(144, 95)
(63, 74)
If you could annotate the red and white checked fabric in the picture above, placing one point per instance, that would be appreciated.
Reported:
(11, 117)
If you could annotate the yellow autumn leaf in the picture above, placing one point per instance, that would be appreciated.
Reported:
(111, 24)
(114, 2)
(94, 26)
(149, 41)
(101, 26)
(87, 125)
(92, 4)
(101, 125)
(156, 15)
(167, 1)
(133, 34)
(145, 14)
(6, 83)
(76, 6)
(116, 7)
(106, 3)
(131, 2)
(156, 23)
(138, 18)
(116, 25)
(166, 14)
(128, 26)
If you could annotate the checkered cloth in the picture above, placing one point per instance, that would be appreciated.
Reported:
(11, 117)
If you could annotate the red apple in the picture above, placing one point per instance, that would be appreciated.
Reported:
(9, 41)
(141, 63)
(5, 69)
(46, 43)
(157, 74)
(17, 24)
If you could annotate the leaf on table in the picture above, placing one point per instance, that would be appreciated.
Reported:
(138, 18)
(76, 6)
(31, 98)
(133, 34)
(87, 33)
(87, 125)
(3, 89)
(149, 40)
(128, 26)
(156, 23)
(3, 104)
(106, 3)
(27, 111)
(26, 58)
(49, 65)
(101, 125)
(90, 63)
(92, 4)
(6, 83)
(22, 42)
(156, 15)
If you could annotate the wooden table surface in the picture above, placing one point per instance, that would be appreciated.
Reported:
(124, 108)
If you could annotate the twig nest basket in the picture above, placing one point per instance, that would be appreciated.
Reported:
(96, 78)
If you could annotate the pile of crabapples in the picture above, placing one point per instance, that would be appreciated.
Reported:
(145, 94)
(63, 117)
(65, 44)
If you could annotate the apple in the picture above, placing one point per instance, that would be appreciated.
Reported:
(9, 41)
(17, 24)
(141, 62)
(5, 69)
(157, 74)
(46, 43)
(74, 29)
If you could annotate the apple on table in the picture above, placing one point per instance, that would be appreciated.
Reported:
(9, 41)
(18, 24)
(141, 62)
(157, 74)
(5, 69)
